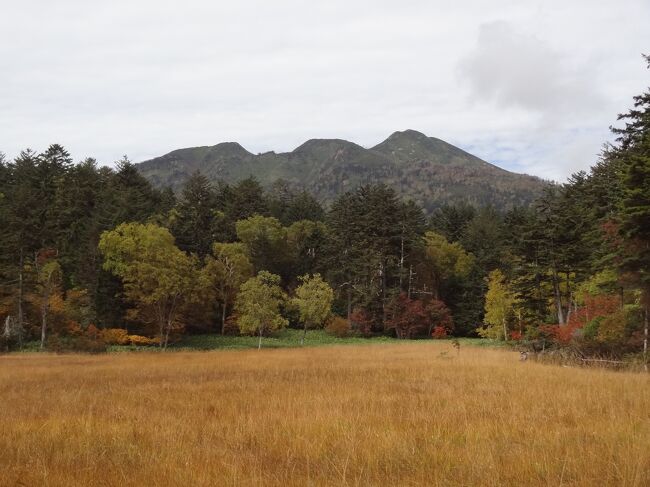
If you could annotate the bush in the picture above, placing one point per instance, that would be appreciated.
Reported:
(361, 321)
(339, 327)
(115, 336)
(516, 335)
(439, 332)
(612, 328)
(141, 341)
(590, 331)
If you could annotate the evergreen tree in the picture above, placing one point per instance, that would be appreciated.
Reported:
(194, 217)
(451, 220)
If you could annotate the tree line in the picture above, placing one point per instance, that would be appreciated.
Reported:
(93, 251)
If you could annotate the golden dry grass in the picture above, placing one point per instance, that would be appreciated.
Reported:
(401, 414)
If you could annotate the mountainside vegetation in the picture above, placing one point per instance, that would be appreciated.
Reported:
(427, 170)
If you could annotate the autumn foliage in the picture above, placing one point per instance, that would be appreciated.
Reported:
(409, 317)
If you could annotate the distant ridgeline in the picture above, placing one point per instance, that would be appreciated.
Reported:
(427, 170)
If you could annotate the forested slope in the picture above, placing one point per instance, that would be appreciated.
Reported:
(427, 170)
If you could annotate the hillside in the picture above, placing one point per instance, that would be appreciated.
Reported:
(428, 170)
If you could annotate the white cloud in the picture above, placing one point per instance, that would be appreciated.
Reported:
(529, 85)
(518, 70)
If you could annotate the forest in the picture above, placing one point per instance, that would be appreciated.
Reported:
(91, 255)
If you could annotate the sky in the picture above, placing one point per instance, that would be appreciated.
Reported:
(531, 86)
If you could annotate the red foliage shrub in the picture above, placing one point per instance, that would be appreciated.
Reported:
(410, 316)
(361, 321)
(93, 332)
(595, 307)
(439, 332)
(406, 316)
(439, 315)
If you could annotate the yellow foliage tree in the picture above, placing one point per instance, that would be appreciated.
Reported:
(499, 303)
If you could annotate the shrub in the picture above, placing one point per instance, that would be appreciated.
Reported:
(590, 330)
(339, 327)
(515, 335)
(115, 336)
(73, 329)
(141, 341)
(92, 332)
(612, 328)
(439, 332)
(361, 321)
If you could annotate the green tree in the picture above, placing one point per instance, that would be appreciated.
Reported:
(265, 238)
(306, 242)
(224, 272)
(451, 220)
(633, 152)
(158, 277)
(444, 260)
(371, 242)
(244, 200)
(194, 216)
(499, 304)
(314, 302)
(258, 305)
(288, 206)
(484, 237)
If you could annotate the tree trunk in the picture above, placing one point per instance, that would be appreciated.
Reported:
(169, 326)
(162, 333)
(383, 268)
(505, 331)
(569, 310)
(401, 264)
(223, 316)
(44, 308)
(350, 304)
(20, 290)
(259, 342)
(558, 300)
(410, 281)
(645, 335)
(435, 284)
(304, 334)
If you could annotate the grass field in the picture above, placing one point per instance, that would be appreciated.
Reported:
(393, 414)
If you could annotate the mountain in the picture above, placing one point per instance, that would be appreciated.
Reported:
(428, 170)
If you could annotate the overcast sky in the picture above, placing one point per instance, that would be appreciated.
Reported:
(529, 85)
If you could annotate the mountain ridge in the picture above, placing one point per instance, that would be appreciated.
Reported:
(428, 170)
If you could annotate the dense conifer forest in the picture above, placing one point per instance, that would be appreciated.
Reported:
(92, 254)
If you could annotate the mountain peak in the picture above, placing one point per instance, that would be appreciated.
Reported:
(338, 150)
(233, 148)
(428, 170)
(409, 144)
(408, 134)
(317, 144)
